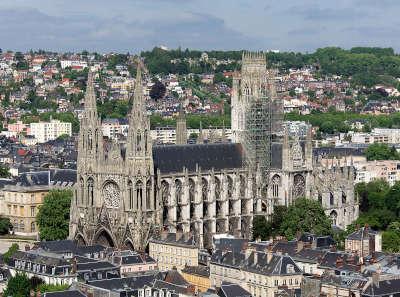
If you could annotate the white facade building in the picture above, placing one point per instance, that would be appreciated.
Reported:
(46, 131)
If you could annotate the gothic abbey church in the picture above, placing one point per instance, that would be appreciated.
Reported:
(128, 192)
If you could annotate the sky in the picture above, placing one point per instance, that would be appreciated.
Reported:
(135, 25)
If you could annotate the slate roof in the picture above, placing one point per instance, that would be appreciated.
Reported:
(37, 258)
(171, 239)
(232, 290)
(278, 264)
(159, 284)
(72, 293)
(340, 261)
(174, 277)
(62, 246)
(203, 271)
(383, 288)
(62, 177)
(100, 265)
(173, 158)
(362, 233)
(124, 284)
(321, 241)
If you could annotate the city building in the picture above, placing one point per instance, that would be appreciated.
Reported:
(363, 242)
(198, 276)
(260, 273)
(174, 250)
(46, 131)
(132, 262)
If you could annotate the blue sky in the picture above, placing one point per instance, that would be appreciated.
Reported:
(134, 25)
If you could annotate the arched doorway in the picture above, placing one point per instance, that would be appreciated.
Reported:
(104, 239)
(80, 241)
(129, 245)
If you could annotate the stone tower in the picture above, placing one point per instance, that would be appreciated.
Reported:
(181, 130)
(114, 202)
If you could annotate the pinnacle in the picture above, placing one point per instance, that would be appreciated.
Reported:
(90, 96)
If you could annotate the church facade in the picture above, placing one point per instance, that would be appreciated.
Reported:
(128, 192)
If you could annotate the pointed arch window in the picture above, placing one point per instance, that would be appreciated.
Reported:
(230, 186)
(178, 191)
(217, 188)
(90, 188)
(90, 140)
(331, 199)
(139, 194)
(130, 194)
(204, 189)
(138, 141)
(148, 194)
(82, 190)
(145, 141)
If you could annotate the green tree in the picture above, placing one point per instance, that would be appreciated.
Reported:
(261, 228)
(305, 215)
(11, 251)
(5, 225)
(391, 238)
(18, 286)
(4, 171)
(53, 215)
(157, 91)
(381, 151)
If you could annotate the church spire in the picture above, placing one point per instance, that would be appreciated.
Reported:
(90, 96)
(139, 140)
(138, 98)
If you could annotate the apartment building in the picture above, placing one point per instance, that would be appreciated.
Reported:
(46, 131)
(21, 206)
(261, 273)
(174, 251)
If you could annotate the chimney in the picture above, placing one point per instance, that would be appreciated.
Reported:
(300, 246)
(27, 248)
(375, 278)
(255, 257)
(269, 254)
(74, 265)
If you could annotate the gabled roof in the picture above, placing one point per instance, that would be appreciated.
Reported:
(232, 290)
(173, 158)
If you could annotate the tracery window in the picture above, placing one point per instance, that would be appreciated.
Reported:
(111, 194)
(130, 194)
(148, 194)
(299, 185)
(139, 194)
(191, 190)
(90, 185)
(230, 186)
(204, 189)
(164, 192)
(217, 188)
(242, 186)
(276, 182)
(178, 191)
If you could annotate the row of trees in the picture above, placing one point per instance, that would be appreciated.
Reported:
(335, 122)
(365, 66)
